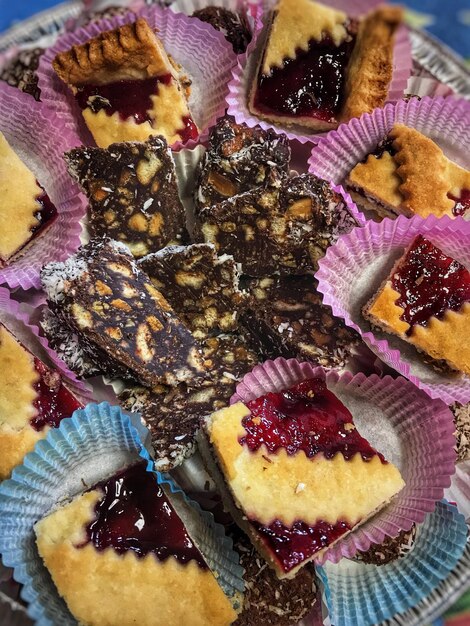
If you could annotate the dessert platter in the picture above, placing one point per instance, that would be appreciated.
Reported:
(234, 296)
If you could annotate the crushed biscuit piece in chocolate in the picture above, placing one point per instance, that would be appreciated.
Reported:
(462, 430)
(238, 159)
(269, 600)
(287, 318)
(391, 549)
(200, 286)
(233, 26)
(20, 71)
(132, 192)
(173, 415)
(101, 295)
(282, 228)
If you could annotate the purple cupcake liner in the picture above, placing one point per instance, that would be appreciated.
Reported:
(402, 422)
(422, 86)
(203, 52)
(20, 323)
(40, 138)
(444, 120)
(354, 268)
(243, 73)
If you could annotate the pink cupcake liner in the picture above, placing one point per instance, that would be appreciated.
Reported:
(445, 120)
(354, 268)
(459, 490)
(410, 429)
(40, 138)
(203, 52)
(20, 323)
(244, 72)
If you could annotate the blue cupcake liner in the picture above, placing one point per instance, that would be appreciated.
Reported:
(93, 444)
(360, 594)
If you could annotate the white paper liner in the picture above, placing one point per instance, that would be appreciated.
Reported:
(354, 268)
(400, 421)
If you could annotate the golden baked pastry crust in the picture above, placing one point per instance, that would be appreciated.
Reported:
(17, 395)
(103, 588)
(19, 191)
(371, 66)
(402, 182)
(132, 51)
(295, 24)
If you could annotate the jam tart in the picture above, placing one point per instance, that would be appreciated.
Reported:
(123, 552)
(395, 178)
(27, 211)
(33, 399)
(296, 473)
(319, 67)
(426, 302)
(127, 87)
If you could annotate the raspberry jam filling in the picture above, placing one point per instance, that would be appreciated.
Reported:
(462, 203)
(293, 545)
(46, 212)
(135, 514)
(54, 401)
(429, 283)
(305, 417)
(311, 85)
(132, 99)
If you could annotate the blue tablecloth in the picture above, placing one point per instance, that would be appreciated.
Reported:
(447, 19)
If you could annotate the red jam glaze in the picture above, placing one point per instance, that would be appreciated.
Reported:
(135, 514)
(305, 417)
(311, 85)
(291, 546)
(131, 99)
(429, 283)
(462, 203)
(54, 401)
(46, 212)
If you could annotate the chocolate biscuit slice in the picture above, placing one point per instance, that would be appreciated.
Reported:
(391, 549)
(173, 415)
(282, 228)
(234, 26)
(268, 600)
(102, 295)
(462, 430)
(238, 159)
(287, 317)
(200, 286)
(20, 71)
(132, 193)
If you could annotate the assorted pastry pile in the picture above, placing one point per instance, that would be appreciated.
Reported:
(174, 302)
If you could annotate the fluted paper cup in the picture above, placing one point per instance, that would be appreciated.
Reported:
(356, 265)
(40, 138)
(203, 52)
(244, 72)
(92, 445)
(459, 490)
(445, 120)
(400, 421)
(360, 594)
